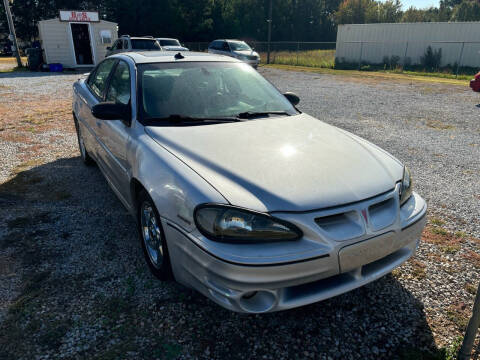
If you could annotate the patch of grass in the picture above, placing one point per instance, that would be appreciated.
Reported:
(408, 77)
(439, 231)
(418, 268)
(458, 316)
(470, 288)
(473, 257)
(12, 60)
(461, 234)
(446, 353)
(27, 165)
(438, 125)
(14, 69)
(309, 58)
(446, 242)
(450, 249)
(438, 222)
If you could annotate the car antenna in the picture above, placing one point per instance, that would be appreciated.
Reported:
(179, 56)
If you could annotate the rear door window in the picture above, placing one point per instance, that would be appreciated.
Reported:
(225, 46)
(98, 81)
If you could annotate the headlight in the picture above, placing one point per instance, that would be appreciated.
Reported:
(235, 225)
(406, 186)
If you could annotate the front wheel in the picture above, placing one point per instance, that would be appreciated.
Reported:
(152, 238)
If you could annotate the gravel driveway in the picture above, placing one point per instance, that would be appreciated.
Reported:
(73, 282)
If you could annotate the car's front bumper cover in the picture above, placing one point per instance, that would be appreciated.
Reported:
(257, 287)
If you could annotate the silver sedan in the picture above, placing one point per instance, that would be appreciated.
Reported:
(236, 193)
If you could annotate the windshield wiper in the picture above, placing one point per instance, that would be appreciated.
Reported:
(182, 119)
(251, 115)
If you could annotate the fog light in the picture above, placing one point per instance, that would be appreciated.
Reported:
(258, 301)
(249, 295)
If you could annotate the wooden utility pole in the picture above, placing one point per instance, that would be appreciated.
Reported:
(466, 349)
(13, 36)
(269, 30)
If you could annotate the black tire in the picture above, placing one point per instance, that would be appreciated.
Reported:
(86, 158)
(161, 269)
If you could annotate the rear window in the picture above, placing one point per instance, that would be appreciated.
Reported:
(144, 44)
(169, 42)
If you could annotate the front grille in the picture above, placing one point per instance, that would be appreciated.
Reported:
(357, 221)
(342, 226)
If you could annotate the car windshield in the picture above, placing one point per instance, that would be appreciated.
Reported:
(239, 45)
(206, 90)
(145, 44)
(169, 42)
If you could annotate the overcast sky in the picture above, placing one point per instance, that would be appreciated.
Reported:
(421, 4)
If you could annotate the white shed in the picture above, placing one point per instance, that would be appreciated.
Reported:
(76, 38)
(459, 41)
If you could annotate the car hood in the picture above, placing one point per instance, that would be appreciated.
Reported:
(291, 163)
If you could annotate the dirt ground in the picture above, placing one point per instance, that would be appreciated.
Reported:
(73, 282)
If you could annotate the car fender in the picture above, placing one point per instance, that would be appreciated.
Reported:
(175, 188)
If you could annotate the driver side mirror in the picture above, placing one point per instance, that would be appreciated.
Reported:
(109, 48)
(112, 111)
(292, 97)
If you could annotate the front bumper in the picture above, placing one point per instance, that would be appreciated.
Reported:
(253, 63)
(257, 287)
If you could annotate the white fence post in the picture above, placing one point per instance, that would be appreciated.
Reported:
(473, 324)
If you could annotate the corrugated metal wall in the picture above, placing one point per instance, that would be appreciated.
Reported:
(371, 42)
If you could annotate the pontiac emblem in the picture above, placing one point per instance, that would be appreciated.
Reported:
(364, 213)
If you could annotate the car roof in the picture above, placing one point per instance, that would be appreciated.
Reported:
(147, 57)
(229, 40)
(166, 39)
(137, 37)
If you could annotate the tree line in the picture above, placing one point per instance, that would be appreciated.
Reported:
(204, 20)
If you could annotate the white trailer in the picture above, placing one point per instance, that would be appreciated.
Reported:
(76, 38)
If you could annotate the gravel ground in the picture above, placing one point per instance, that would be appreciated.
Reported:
(73, 282)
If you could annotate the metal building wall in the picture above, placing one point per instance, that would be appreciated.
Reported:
(408, 41)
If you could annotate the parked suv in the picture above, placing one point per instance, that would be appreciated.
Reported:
(169, 44)
(235, 48)
(128, 43)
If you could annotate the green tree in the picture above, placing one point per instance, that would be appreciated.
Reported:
(412, 15)
(467, 10)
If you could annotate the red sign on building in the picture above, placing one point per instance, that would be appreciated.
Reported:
(80, 16)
